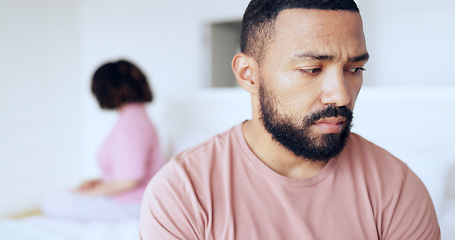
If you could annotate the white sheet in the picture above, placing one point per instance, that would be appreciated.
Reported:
(47, 228)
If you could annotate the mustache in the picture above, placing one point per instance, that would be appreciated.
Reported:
(330, 111)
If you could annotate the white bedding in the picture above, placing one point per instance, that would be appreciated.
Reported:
(48, 228)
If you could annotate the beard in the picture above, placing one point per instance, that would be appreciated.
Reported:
(298, 138)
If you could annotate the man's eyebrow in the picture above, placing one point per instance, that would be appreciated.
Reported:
(310, 56)
(361, 58)
(322, 57)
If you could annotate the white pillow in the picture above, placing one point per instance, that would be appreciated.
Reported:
(432, 167)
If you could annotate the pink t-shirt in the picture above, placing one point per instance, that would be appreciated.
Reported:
(131, 152)
(221, 190)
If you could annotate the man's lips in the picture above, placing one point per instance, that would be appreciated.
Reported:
(329, 125)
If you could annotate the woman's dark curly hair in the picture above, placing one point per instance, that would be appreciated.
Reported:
(117, 83)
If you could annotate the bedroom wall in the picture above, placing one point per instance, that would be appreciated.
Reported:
(164, 37)
(410, 42)
(40, 110)
(169, 43)
(56, 125)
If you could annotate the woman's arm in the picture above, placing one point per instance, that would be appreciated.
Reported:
(109, 188)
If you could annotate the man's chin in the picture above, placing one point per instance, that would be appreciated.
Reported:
(324, 139)
(326, 146)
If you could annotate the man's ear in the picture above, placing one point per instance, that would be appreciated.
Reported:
(246, 72)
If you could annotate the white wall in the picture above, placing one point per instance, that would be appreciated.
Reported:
(40, 110)
(164, 37)
(50, 125)
(410, 42)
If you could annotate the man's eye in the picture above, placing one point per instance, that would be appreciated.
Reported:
(311, 70)
(356, 69)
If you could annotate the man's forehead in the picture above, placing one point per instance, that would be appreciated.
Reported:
(319, 24)
(319, 35)
(316, 16)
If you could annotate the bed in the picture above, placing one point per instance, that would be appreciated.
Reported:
(49, 228)
(412, 123)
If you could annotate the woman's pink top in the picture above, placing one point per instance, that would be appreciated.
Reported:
(131, 152)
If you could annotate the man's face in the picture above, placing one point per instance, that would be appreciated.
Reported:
(310, 77)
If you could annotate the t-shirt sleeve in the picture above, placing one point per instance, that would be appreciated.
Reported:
(410, 214)
(170, 209)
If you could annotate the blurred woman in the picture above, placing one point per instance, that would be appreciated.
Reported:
(129, 157)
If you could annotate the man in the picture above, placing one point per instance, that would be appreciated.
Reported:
(293, 171)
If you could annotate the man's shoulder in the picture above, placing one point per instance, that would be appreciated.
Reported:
(190, 172)
(370, 157)
(364, 147)
(357, 139)
(200, 159)
(207, 150)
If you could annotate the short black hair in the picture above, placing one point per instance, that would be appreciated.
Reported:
(260, 15)
(120, 82)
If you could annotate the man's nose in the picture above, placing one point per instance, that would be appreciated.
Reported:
(335, 90)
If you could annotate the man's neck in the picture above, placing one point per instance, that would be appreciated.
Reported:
(275, 156)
